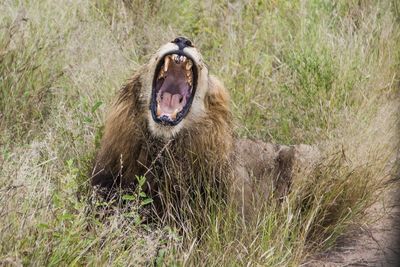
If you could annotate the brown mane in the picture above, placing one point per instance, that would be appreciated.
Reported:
(203, 155)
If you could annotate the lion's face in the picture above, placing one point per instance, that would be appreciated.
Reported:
(179, 83)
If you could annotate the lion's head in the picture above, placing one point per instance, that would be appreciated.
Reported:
(176, 87)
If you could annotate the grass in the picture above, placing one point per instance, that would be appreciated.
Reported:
(317, 72)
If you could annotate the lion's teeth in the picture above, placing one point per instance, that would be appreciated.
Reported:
(189, 77)
(166, 63)
(189, 65)
(176, 58)
(158, 109)
(173, 115)
(161, 75)
(182, 59)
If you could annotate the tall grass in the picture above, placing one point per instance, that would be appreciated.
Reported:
(318, 72)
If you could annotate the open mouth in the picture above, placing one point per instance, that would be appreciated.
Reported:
(174, 86)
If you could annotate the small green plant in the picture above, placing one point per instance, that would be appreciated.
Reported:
(138, 199)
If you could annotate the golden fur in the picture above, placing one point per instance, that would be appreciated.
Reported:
(201, 147)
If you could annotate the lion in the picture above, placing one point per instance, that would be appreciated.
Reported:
(172, 124)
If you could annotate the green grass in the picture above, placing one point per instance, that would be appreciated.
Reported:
(317, 72)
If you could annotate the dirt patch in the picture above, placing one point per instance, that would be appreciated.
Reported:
(373, 243)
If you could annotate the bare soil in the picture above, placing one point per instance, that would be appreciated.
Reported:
(371, 243)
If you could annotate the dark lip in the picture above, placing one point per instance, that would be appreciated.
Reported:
(153, 105)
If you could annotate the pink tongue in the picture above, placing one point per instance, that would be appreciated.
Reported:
(169, 103)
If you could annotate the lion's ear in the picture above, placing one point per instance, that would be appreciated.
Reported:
(131, 91)
(217, 97)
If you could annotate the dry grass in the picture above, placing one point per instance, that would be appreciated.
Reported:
(324, 72)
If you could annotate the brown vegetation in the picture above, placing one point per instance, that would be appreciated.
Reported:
(298, 72)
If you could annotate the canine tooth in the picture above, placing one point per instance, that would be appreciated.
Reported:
(173, 115)
(158, 109)
(166, 63)
(189, 65)
(161, 75)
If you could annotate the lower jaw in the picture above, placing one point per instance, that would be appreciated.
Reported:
(167, 122)
(164, 132)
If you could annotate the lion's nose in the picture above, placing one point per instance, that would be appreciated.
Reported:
(182, 42)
